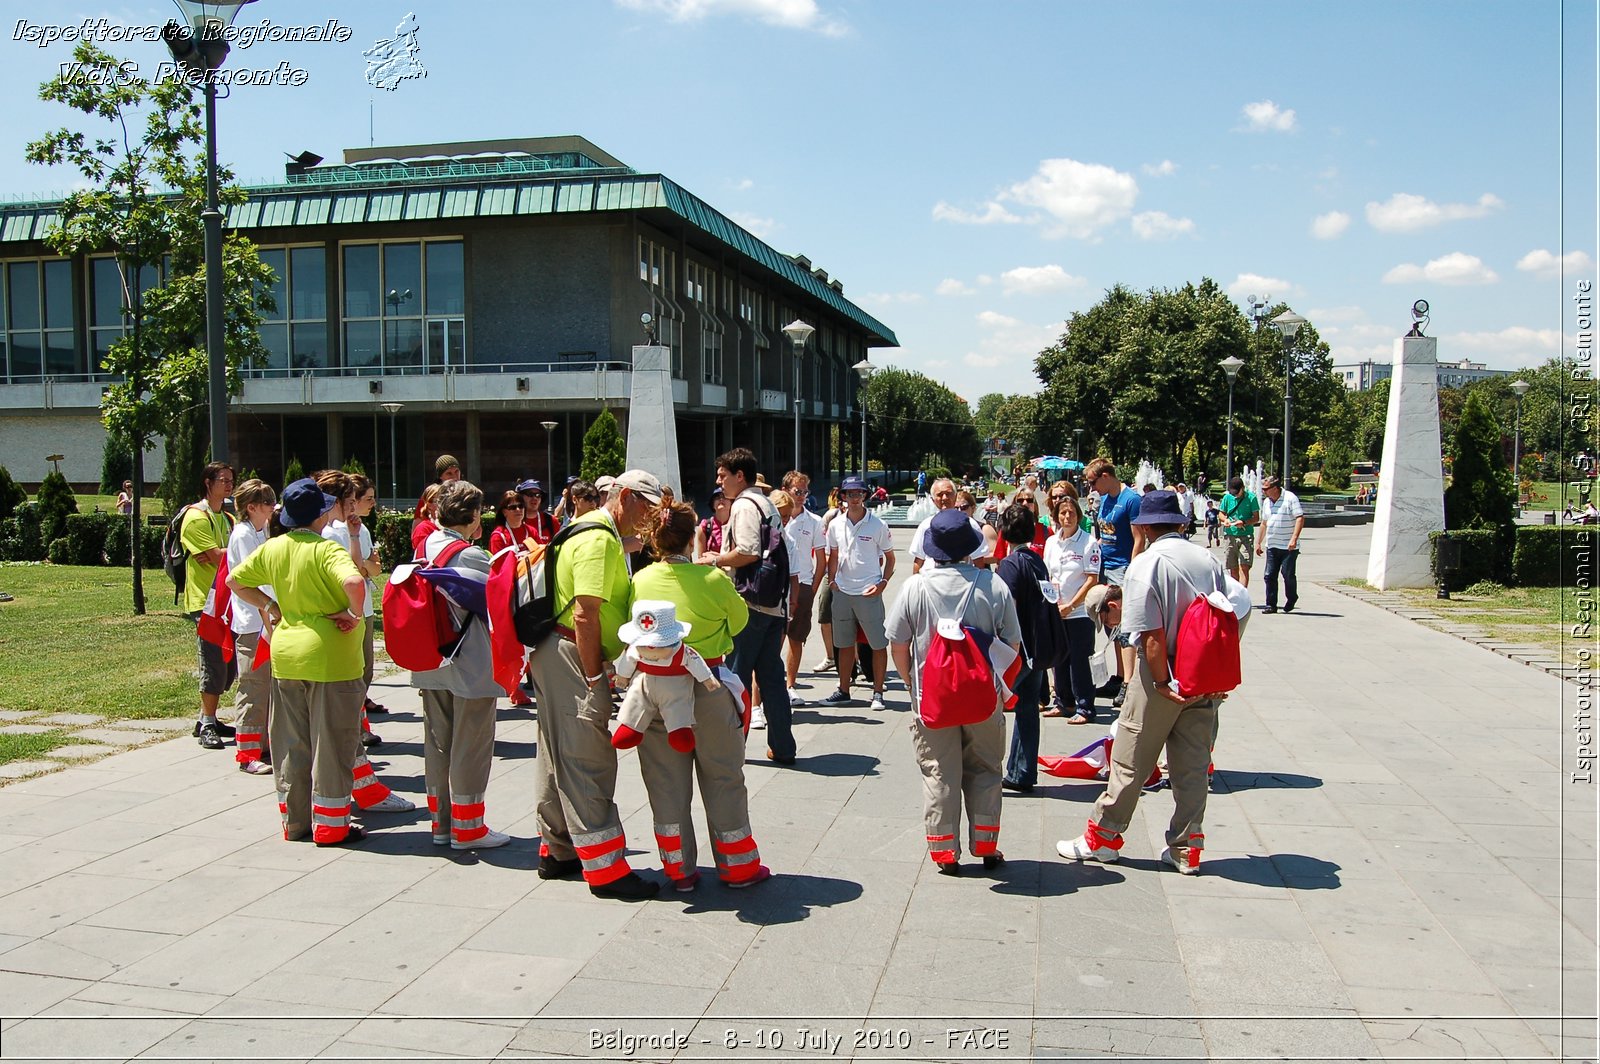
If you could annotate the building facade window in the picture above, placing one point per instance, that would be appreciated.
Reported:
(296, 333)
(403, 306)
(36, 310)
(109, 319)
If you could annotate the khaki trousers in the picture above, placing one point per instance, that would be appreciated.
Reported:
(718, 759)
(961, 762)
(1149, 722)
(252, 702)
(368, 652)
(314, 726)
(575, 775)
(457, 754)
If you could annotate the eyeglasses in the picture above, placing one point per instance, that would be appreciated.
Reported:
(514, 506)
(1027, 498)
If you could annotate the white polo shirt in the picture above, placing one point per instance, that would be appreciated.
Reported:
(1071, 561)
(803, 535)
(860, 549)
(1279, 518)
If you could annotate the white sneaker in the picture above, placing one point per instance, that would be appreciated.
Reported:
(795, 699)
(877, 701)
(825, 665)
(392, 804)
(758, 719)
(488, 842)
(1083, 848)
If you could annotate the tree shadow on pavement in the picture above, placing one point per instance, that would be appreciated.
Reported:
(783, 899)
(839, 764)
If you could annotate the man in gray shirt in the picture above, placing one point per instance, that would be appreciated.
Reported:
(1161, 584)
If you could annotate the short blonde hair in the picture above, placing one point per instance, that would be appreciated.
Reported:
(253, 492)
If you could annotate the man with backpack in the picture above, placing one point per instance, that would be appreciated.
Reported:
(199, 536)
(1164, 581)
(754, 554)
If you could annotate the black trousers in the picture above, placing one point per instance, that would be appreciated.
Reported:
(1280, 560)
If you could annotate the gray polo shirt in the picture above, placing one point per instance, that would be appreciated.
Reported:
(937, 592)
(1162, 582)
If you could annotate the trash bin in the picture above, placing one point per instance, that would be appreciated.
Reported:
(1446, 560)
(1549, 517)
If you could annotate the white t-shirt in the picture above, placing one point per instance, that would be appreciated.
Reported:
(1279, 518)
(1185, 502)
(985, 548)
(339, 532)
(803, 535)
(860, 549)
(1070, 560)
(243, 542)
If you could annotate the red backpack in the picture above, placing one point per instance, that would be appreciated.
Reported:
(957, 684)
(418, 631)
(1206, 659)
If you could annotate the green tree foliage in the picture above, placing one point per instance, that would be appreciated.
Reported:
(56, 501)
(1480, 493)
(140, 190)
(986, 417)
(605, 452)
(12, 494)
(1020, 423)
(292, 472)
(915, 422)
(116, 464)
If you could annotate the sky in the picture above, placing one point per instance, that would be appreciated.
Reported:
(973, 174)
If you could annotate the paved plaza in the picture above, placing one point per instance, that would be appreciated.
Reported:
(1397, 868)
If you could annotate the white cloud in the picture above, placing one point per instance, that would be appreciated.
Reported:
(985, 361)
(1010, 343)
(1079, 198)
(1345, 315)
(744, 184)
(1248, 284)
(885, 298)
(990, 319)
(1264, 116)
(1164, 168)
(1542, 263)
(985, 279)
(1330, 226)
(1033, 280)
(1512, 339)
(1454, 268)
(937, 363)
(1159, 225)
(992, 213)
(786, 14)
(952, 287)
(1404, 212)
(760, 227)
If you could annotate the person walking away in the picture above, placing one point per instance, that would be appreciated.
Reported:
(458, 698)
(1118, 545)
(575, 776)
(1283, 521)
(1161, 584)
(1025, 576)
(757, 650)
(313, 625)
(860, 564)
(253, 501)
(1213, 526)
(961, 762)
(204, 532)
(808, 560)
(706, 599)
(1240, 514)
(1072, 557)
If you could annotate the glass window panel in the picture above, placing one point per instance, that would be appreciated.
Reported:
(278, 259)
(311, 346)
(24, 284)
(447, 287)
(309, 283)
(402, 342)
(363, 344)
(106, 308)
(447, 344)
(5, 355)
(402, 273)
(57, 294)
(275, 338)
(363, 295)
(102, 339)
(61, 354)
(25, 360)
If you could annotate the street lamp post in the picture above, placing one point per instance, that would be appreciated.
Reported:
(200, 48)
(865, 370)
(549, 457)
(1274, 430)
(1288, 323)
(798, 333)
(1077, 445)
(1521, 388)
(1231, 366)
(394, 462)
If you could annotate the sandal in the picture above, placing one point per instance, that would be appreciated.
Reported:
(1051, 713)
(1079, 718)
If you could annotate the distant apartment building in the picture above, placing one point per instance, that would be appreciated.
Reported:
(485, 288)
(1359, 376)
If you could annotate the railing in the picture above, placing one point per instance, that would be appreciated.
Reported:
(291, 372)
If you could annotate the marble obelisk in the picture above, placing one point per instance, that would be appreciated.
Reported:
(1410, 479)
(652, 426)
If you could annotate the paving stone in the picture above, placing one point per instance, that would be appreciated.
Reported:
(16, 770)
(71, 720)
(113, 736)
(81, 752)
(17, 714)
(160, 724)
(25, 729)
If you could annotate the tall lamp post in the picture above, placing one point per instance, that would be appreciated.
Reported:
(798, 333)
(1521, 388)
(1077, 445)
(1288, 323)
(200, 48)
(865, 370)
(549, 457)
(1274, 430)
(1231, 366)
(394, 462)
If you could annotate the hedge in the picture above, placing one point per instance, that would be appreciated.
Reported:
(58, 551)
(392, 537)
(86, 538)
(117, 552)
(1554, 555)
(20, 536)
(1477, 554)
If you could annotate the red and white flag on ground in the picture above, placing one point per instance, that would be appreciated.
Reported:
(217, 615)
(1087, 764)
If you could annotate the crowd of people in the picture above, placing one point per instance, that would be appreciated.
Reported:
(697, 626)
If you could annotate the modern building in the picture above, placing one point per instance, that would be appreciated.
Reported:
(1359, 376)
(475, 290)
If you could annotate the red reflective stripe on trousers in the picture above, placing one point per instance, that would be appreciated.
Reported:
(744, 845)
(942, 856)
(322, 833)
(612, 872)
(600, 849)
(367, 789)
(466, 812)
(469, 834)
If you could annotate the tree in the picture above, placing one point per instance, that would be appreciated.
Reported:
(55, 501)
(985, 418)
(12, 494)
(1480, 492)
(605, 453)
(160, 365)
(116, 465)
(916, 422)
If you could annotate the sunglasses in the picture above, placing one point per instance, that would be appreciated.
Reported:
(514, 506)
(1025, 498)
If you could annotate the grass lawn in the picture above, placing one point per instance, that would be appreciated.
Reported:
(25, 747)
(70, 643)
(1530, 616)
(1551, 495)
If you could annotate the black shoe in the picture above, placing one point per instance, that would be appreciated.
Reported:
(1020, 788)
(776, 760)
(1269, 609)
(948, 868)
(993, 861)
(227, 731)
(354, 835)
(631, 887)
(1288, 609)
(373, 708)
(209, 737)
(555, 868)
(1117, 699)
(371, 739)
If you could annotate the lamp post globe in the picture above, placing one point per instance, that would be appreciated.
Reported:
(798, 333)
(864, 370)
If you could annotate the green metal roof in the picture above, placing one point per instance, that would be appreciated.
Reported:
(450, 194)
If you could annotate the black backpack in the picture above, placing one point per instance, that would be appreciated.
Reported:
(1045, 638)
(765, 582)
(174, 554)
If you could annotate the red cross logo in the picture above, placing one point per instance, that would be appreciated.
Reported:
(647, 621)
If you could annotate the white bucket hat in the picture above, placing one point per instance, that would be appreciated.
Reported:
(654, 624)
